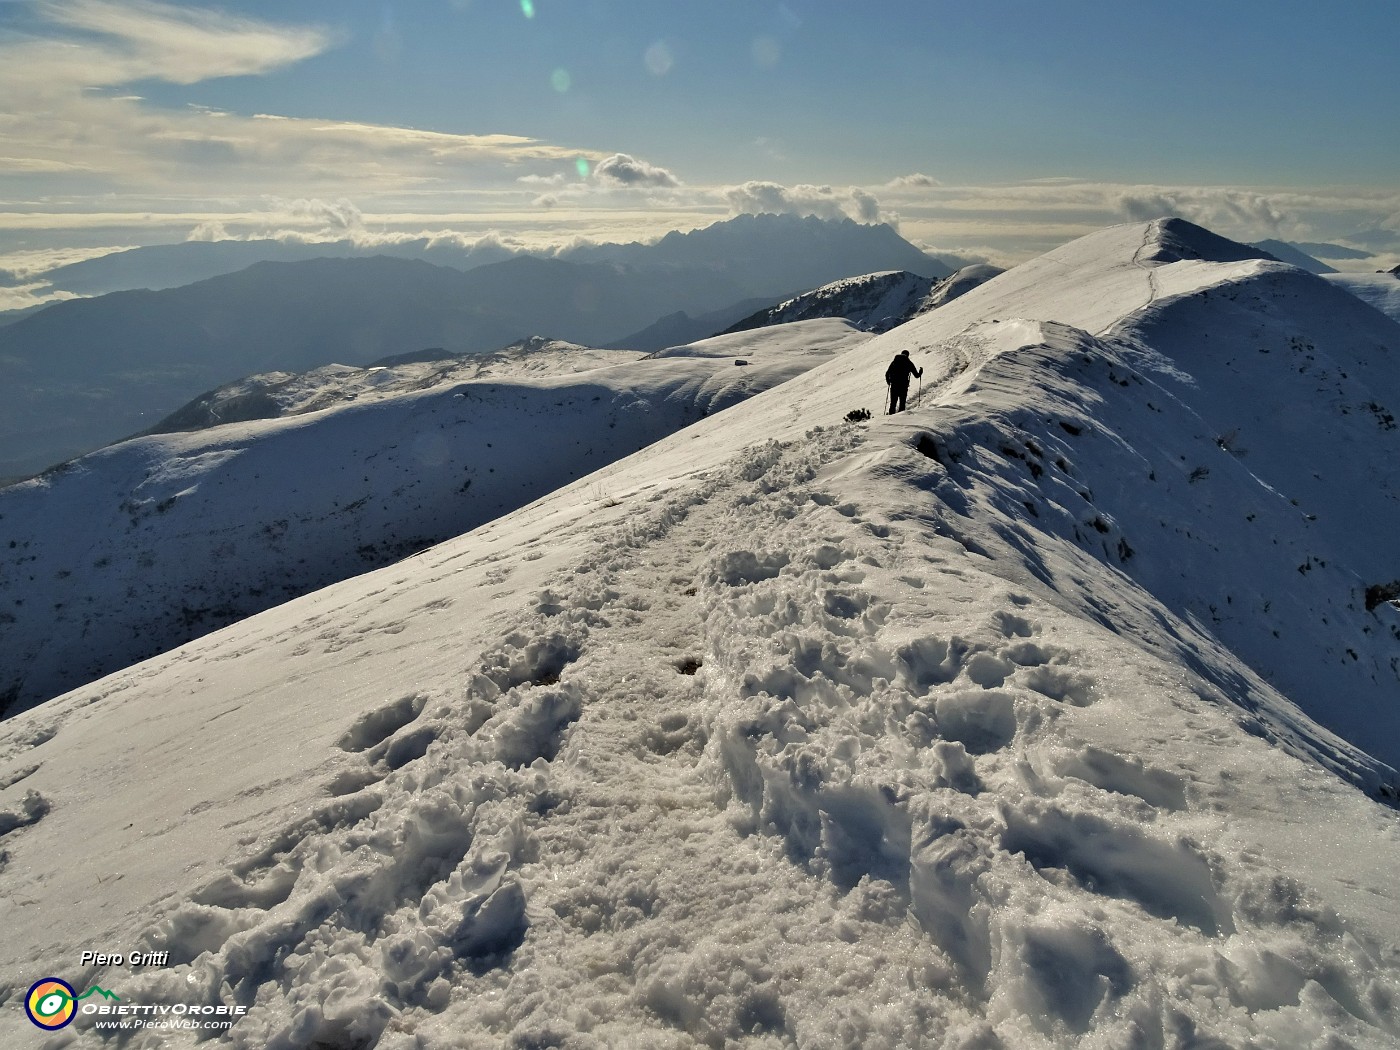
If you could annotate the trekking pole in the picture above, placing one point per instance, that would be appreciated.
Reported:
(921, 389)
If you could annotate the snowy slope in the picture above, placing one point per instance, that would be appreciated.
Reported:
(140, 547)
(679, 328)
(274, 394)
(876, 302)
(959, 283)
(1381, 290)
(897, 735)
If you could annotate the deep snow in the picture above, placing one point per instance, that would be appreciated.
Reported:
(962, 728)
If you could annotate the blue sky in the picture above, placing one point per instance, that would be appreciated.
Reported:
(996, 129)
(980, 91)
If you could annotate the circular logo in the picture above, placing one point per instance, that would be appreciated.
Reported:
(50, 1003)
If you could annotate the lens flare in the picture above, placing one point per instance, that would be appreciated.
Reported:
(582, 165)
(766, 52)
(658, 59)
(527, 8)
(560, 80)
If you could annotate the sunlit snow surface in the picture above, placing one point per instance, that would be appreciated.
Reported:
(1019, 720)
(150, 543)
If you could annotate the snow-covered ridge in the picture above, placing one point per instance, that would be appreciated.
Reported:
(876, 302)
(275, 394)
(140, 547)
(917, 733)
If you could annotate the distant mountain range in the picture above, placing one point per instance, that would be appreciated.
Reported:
(159, 266)
(1310, 255)
(85, 372)
(749, 247)
(1325, 250)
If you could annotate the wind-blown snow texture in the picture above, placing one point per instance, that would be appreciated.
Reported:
(965, 728)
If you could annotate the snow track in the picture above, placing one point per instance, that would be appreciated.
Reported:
(766, 768)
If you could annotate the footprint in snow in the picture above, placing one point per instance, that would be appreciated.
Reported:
(27, 811)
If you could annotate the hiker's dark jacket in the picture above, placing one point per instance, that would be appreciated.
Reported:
(899, 372)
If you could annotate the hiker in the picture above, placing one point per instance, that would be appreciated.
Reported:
(897, 376)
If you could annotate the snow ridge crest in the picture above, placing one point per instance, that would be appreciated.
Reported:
(1174, 239)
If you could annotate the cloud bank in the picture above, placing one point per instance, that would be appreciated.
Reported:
(824, 202)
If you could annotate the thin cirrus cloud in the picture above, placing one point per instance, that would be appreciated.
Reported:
(181, 44)
(59, 119)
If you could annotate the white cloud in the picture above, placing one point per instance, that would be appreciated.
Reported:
(622, 170)
(557, 179)
(336, 215)
(916, 180)
(1143, 206)
(867, 207)
(211, 230)
(26, 264)
(268, 228)
(757, 197)
(183, 45)
(1267, 214)
(824, 202)
(26, 295)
